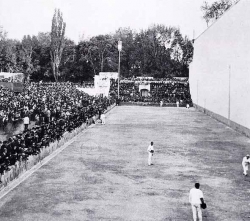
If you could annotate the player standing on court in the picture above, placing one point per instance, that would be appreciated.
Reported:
(245, 163)
(196, 199)
(150, 153)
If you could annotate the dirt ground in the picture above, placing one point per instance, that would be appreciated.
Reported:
(103, 174)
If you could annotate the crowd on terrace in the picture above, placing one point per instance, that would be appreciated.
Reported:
(150, 79)
(165, 90)
(54, 107)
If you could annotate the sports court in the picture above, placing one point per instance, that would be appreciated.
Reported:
(103, 174)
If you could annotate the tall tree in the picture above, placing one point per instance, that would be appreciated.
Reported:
(68, 60)
(3, 34)
(83, 68)
(99, 52)
(8, 56)
(216, 9)
(26, 55)
(128, 58)
(158, 54)
(42, 55)
(161, 52)
(57, 42)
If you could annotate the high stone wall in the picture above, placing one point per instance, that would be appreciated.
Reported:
(220, 71)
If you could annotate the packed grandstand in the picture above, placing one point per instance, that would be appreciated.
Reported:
(169, 91)
(56, 108)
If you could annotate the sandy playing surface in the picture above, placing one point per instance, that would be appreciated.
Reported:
(103, 174)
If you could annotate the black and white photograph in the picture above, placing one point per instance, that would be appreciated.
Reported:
(124, 110)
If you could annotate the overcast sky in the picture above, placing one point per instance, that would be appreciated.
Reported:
(93, 17)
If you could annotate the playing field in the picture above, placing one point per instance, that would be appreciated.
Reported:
(103, 174)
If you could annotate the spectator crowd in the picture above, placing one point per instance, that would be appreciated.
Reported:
(161, 90)
(54, 107)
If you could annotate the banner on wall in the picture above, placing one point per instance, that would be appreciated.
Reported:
(102, 82)
(144, 87)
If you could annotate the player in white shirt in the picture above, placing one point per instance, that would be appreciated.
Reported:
(245, 163)
(195, 199)
(103, 118)
(150, 153)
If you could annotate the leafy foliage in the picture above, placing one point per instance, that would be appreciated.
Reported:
(158, 51)
(216, 10)
(8, 56)
(57, 42)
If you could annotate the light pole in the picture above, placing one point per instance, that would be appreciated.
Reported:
(119, 50)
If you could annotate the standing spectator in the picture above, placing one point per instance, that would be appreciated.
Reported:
(99, 113)
(117, 102)
(48, 113)
(161, 103)
(26, 122)
(150, 153)
(103, 118)
(196, 199)
(245, 163)
(177, 103)
(37, 119)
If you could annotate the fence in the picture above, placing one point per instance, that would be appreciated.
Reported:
(22, 166)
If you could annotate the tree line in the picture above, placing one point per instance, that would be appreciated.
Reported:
(158, 51)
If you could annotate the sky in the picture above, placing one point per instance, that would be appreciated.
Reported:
(93, 17)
